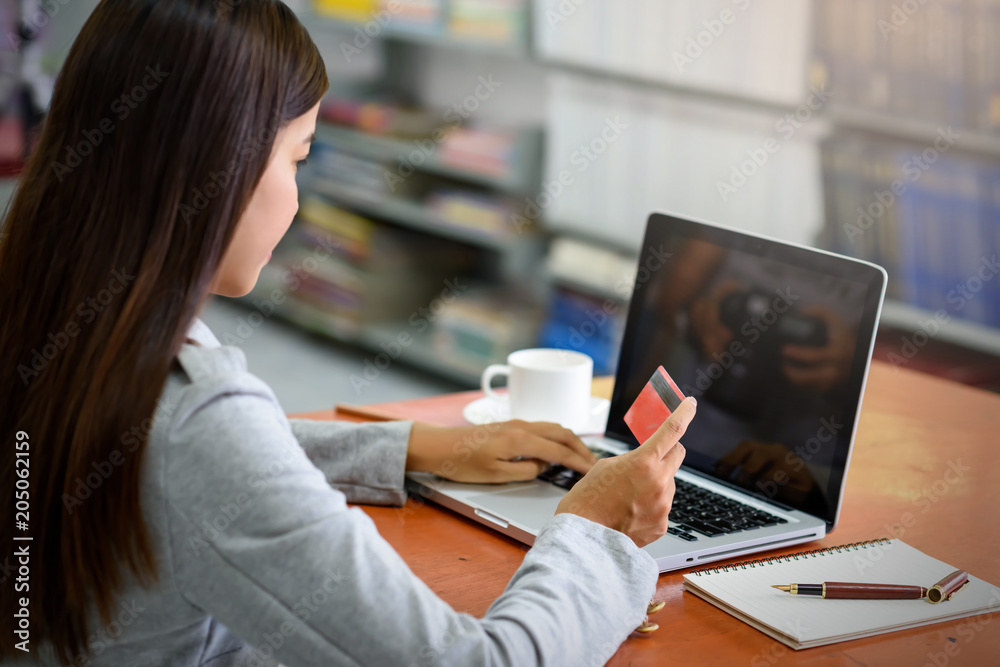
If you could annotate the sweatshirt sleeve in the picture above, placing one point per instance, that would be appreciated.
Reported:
(295, 572)
(366, 462)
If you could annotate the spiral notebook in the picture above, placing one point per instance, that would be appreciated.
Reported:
(744, 590)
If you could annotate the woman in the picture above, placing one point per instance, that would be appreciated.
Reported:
(177, 517)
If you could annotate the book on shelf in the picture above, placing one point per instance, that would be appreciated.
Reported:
(347, 10)
(702, 45)
(422, 197)
(422, 16)
(383, 112)
(347, 233)
(585, 323)
(497, 21)
(502, 22)
(617, 152)
(360, 175)
(481, 150)
(425, 138)
(471, 210)
(609, 273)
(483, 326)
(933, 224)
(346, 272)
(939, 64)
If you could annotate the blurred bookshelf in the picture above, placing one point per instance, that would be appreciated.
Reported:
(489, 26)
(520, 174)
(692, 103)
(900, 316)
(878, 123)
(410, 214)
(695, 86)
(442, 190)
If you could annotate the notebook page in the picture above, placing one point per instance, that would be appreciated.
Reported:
(808, 618)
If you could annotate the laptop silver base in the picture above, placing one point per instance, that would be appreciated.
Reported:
(520, 509)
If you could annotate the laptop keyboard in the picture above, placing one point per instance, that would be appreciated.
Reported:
(694, 509)
(703, 511)
(567, 477)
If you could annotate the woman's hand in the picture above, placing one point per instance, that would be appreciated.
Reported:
(492, 453)
(633, 492)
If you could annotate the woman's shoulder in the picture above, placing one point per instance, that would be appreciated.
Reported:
(198, 362)
(210, 379)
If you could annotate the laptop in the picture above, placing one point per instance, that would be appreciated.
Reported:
(775, 341)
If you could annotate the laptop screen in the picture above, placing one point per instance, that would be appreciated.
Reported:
(773, 340)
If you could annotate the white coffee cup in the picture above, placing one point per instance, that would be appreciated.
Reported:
(545, 384)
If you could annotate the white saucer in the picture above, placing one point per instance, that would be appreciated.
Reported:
(488, 410)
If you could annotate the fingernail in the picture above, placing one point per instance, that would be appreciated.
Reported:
(694, 401)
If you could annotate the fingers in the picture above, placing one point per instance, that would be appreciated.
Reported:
(562, 435)
(518, 471)
(671, 430)
(674, 459)
(537, 447)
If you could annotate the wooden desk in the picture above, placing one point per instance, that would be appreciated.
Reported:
(926, 468)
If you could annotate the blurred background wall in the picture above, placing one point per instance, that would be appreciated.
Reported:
(483, 169)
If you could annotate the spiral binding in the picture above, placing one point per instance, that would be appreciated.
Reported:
(743, 565)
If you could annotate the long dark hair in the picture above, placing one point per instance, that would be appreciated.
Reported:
(161, 124)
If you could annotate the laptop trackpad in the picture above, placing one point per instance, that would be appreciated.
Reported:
(530, 506)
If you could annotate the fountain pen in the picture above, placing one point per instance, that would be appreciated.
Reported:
(840, 590)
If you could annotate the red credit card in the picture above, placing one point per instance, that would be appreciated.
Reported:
(657, 400)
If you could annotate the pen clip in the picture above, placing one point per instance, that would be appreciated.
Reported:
(959, 588)
(944, 589)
